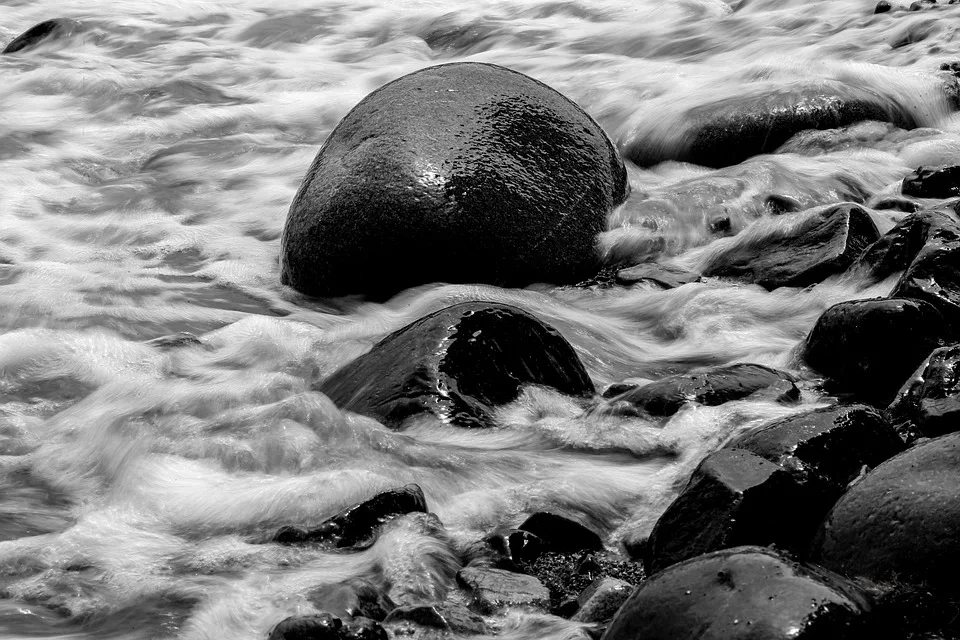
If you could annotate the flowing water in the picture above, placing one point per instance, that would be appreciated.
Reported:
(148, 159)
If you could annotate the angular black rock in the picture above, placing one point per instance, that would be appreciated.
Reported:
(728, 131)
(934, 276)
(733, 498)
(46, 30)
(352, 598)
(318, 627)
(358, 525)
(492, 589)
(814, 247)
(746, 593)
(666, 276)
(898, 248)
(458, 363)
(928, 404)
(901, 521)
(463, 172)
(561, 535)
(870, 347)
(829, 446)
(711, 387)
(933, 182)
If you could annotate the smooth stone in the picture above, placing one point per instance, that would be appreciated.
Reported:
(746, 593)
(353, 598)
(601, 600)
(357, 526)
(458, 364)
(316, 627)
(712, 387)
(453, 618)
(933, 182)
(798, 250)
(43, 31)
(928, 404)
(734, 498)
(464, 172)
(831, 445)
(901, 521)
(560, 534)
(898, 248)
(493, 589)
(868, 348)
(728, 131)
(666, 276)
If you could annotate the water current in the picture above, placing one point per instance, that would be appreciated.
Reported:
(148, 160)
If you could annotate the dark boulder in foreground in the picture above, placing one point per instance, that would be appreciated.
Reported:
(797, 252)
(828, 446)
(933, 182)
(358, 525)
(728, 131)
(870, 347)
(42, 32)
(928, 405)
(745, 593)
(711, 387)
(734, 498)
(458, 363)
(898, 247)
(463, 172)
(901, 521)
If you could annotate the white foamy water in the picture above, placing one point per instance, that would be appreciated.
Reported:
(148, 161)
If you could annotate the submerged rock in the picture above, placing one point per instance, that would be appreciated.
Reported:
(666, 276)
(734, 498)
(742, 594)
(901, 521)
(357, 526)
(493, 589)
(560, 534)
(928, 404)
(897, 249)
(870, 347)
(800, 254)
(357, 597)
(42, 32)
(457, 363)
(711, 387)
(463, 172)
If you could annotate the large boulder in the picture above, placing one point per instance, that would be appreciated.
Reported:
(797, 251)
(901, 521)
(745, 593)
(928, 404)
(898, 247)
(457, 363)
(463, 172)
(868, 348)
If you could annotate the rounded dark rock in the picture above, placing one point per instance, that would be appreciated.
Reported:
(560, 534)
(463, 172)
(928, 404)
(746, 593)
(42, 32)
(317, 627)
(901, 521)
(457, 363)
(870, 347)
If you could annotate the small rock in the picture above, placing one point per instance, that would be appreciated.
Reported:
(447, 616)
(601, 600)
(883, 7)
(514, 548)
(175, 341)
(928, 405)
(318, 627)
(560, 534)
(44, 31)
(666, 276)
(492, 589)
(933, 182)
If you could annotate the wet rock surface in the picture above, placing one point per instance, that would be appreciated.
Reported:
(494, 589)
(868, 348)
(928, 404)
(801, 253)
(458, 363)
(901, 521)
(357, 526)
(934, 275)
(933, 182)
(568, 576)
(734, 498)
(666, 276)
(744, 593)
(45, 31)
(898, 248)
(601, 600)
(327, 627)
(711, 387)
(480, 169)
(561, 534)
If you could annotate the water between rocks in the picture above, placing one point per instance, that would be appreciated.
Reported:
(148, 160)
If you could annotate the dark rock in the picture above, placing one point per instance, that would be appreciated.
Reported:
(44, 31)
(928, 405)
(175, 341)
(318, 627)
(779, 204)
(449, 617)
(619, 388)
(815, 246)
(902, 520)
(712, 387)
(492, 589)
(742, 594)
(719, 225)
(457, 363)
(883, 6)
(353, 598)
(560, 534)
(728, 131)
(829, 446)
(600, 601)
(666, 276)
(463, 172)
(934, 274)
(933, 182)
(568, 575)
(896, 204)
(898, 247)
(363, 629)
(870, 347)
(733, 498)
(358, 525)
(514, 548)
